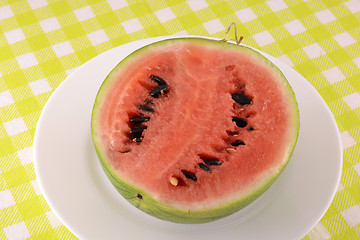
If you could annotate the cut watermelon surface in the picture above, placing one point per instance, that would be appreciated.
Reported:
(191, 130)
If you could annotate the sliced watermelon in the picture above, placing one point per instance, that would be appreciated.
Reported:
(190, 130)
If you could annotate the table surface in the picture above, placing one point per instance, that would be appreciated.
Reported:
(43, 41)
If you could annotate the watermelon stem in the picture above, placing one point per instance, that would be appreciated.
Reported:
(238, 40)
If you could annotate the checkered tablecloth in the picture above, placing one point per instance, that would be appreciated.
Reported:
(43, 41)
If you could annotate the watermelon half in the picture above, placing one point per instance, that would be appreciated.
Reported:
(190, 130)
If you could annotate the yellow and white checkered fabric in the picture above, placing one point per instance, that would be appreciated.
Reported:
(43, 41)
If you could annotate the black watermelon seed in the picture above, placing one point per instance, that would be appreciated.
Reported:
(241, 98)
(146, 108)
(250, 129)
(212, 162)
(137, 136)
(158, 80)
(237, 143)
(137, 130)
(240, 122)
(189, 175)
(204, 167)
(139, 196)
(139, 119)
(137, 139)
(162, 89)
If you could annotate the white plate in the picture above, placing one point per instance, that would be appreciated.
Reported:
(79, 193)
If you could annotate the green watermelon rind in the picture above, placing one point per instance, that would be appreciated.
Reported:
(158, 209)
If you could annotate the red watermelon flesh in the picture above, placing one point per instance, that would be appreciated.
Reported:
(195, 124)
